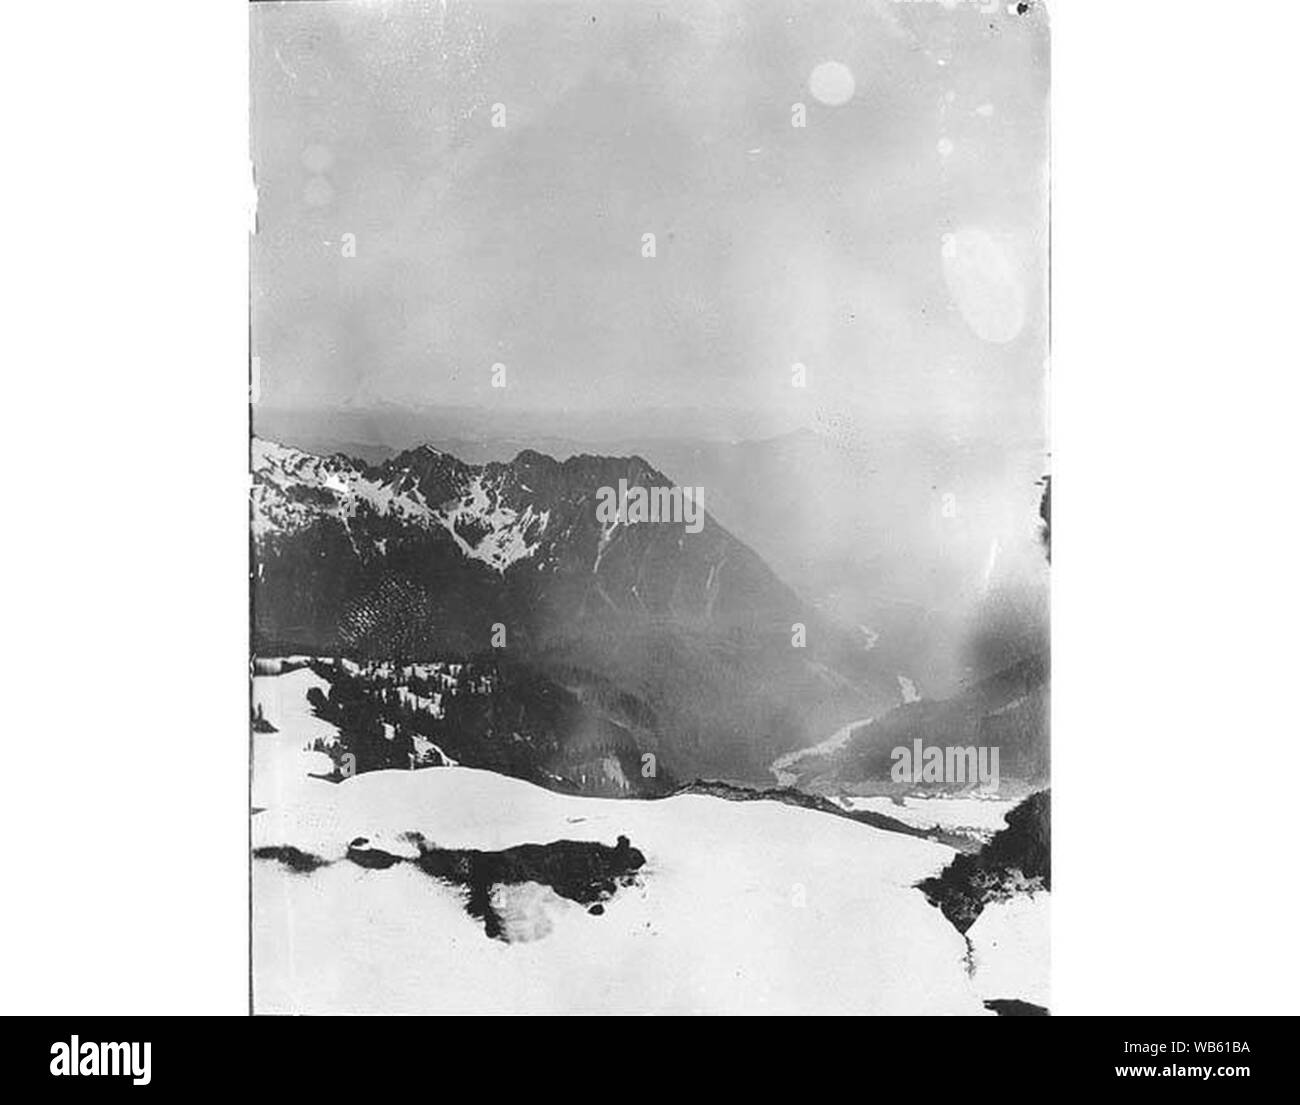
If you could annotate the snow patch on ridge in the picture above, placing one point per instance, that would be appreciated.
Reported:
(908, 689)
(292, 488)
(508, 531)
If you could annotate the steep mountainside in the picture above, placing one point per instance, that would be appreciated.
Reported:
(1008, 711)
(426, 557)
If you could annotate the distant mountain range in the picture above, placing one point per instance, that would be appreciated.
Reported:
(424, 556)
(927, 540)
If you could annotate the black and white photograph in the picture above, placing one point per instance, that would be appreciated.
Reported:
(650, 508)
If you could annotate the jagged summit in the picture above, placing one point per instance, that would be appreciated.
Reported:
(500, 514)
(427, 556)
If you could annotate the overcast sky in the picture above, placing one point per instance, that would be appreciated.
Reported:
(895, 245)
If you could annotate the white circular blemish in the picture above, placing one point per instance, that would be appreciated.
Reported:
(944, 147)
(832, 83)
(316, 159)
(985, 110)
(318, 193)
(984, 282)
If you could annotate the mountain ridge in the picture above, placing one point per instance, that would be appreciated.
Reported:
(425, 556)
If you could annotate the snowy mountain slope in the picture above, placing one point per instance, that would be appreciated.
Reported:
(1010, 949)
(741, 908)
(282, 759)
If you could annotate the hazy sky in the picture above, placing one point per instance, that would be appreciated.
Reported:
(895, 245)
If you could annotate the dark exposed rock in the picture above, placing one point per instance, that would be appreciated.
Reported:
(586, 872)
(1017, 860)
(292, 858)
(374, 858)
(1012, 1007)
(259, 722)
(583, 871)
